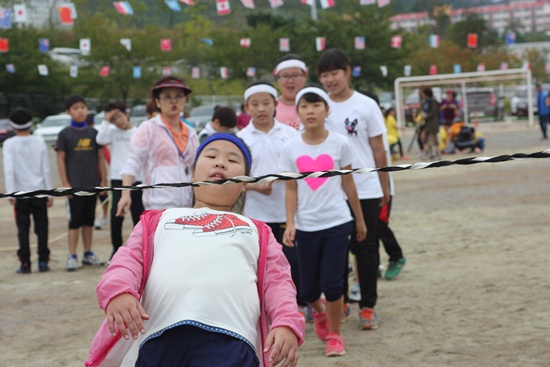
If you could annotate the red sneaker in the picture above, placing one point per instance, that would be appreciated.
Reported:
(320, 324)
(335, 345)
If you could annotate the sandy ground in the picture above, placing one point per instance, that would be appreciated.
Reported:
(475, 290)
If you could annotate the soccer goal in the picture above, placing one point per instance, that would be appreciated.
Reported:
(462, 83)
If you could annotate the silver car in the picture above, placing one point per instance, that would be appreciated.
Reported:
(51, 127)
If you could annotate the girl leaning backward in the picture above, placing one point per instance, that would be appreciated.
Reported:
(200, 286)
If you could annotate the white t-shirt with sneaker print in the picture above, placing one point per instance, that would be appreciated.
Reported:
(204, 273)
(321, 201)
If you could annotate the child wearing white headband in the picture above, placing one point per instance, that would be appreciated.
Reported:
(291, 73)
(319, 221)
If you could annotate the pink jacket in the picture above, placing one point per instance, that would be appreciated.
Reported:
(153, 152)
(129, 270)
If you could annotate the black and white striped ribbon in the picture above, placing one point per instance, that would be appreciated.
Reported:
(284, 176)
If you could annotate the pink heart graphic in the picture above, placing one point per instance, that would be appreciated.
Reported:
(324, 162)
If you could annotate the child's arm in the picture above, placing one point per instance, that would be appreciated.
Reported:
(291, 201)
(351, 192)
(9, 171)
(102, 166)
(104, 133)
(262, 188)
(62, 168)
(379, 153)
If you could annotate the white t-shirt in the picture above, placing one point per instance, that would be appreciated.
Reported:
(359, 118)
(119, 140)
(266, 150)
(204, 273)
(26, 166)
(321, 201)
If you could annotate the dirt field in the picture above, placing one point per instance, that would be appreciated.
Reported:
(475, 290)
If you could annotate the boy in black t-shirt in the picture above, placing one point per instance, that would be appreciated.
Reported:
(81, 164)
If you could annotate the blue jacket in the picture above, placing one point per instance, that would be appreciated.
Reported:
(541, 103)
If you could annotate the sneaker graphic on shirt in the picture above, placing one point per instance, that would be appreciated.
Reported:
(206, 224)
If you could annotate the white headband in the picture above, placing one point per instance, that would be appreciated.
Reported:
(21, 127)
(260, 88)
(321, 93)
(291, 64)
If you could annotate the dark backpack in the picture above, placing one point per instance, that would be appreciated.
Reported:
(465, 138)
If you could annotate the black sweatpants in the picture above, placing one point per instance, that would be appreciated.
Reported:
(36, 207)
(116, 222)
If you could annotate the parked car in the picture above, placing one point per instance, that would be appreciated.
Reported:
(484, 102)
(6, 131)
(51, 126)
(200, 116)
(518, 102)
(386, 99)
(137, 115)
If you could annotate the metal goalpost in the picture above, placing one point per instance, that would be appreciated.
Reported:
(461, 79)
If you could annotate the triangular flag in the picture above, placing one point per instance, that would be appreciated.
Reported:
(248, 4)
(356, 71)
(43, 45)
(250, 72)
(43, 70)
(136, 71)
(434, 41)
(472, 40)
(173, 5)
(73, 71)
(165, 44)
(223, 7)
(284, 44)
(325, 4)
(384, 70)
(4, 45)
(433, 69)
(275, 3)
(104, 72)
(65, 16)
(320, 43)
(5, 18)
(123, 7)
(224, 72)
(407, 70)
(85, 46)
(359, 43)
(396, 41)
(245, 42)
(19, 13)
(382, 3)
(195, 73)
(127, 43)
(10, 68)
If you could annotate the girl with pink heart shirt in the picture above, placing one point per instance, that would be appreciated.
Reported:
(318, 218)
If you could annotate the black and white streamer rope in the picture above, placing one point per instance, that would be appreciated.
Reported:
(284, 176)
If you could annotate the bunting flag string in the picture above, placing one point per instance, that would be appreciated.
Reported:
(284, 176)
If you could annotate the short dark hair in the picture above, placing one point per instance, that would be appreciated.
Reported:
(151, 107)
(116, 105)
(226, 116)
(333, 59)
(313, 97)
(428, 92)
(155, 93)
(20, 116)
(72, 99)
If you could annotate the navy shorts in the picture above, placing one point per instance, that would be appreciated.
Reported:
(191, 346)
(81, 211)
(322, 256)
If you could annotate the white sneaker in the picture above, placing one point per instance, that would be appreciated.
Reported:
(71, 264)
(92, 259)
(100, 223)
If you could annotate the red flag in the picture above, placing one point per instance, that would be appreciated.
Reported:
(245, 42)
(65, 16)
(4, 45)
(433, 69)
(472, 40)
(188, 2)
(325, 4)
(224, 72)
(104, 72)
(248, 4)
(396, 42)
(223, 7)
(165, 44)
(320, 43)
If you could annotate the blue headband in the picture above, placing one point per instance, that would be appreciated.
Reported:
(231, 138)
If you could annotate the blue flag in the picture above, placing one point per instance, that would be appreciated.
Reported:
(137, 72)
(173, 5)
(510, 38)
(208, 41)
(356, 71)
(457, 68)
(5, 19)
(43, 44)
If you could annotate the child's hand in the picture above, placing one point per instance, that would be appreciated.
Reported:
(12, 201)
(265, 189)
(361, 230)
(126, 311)
(124, 205)
(49, 202)
(283, 344)
(288, 236)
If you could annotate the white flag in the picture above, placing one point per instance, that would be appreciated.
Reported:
(73, 71)
(127, 43)
(19, 13)
(43, 69)
(384, 70)
(85, 46)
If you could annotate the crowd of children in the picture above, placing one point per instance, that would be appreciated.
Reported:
(232, 233)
